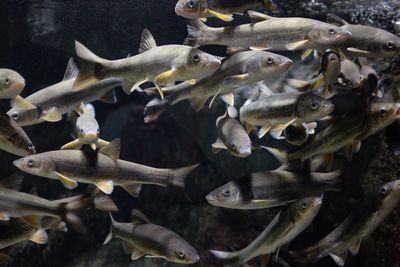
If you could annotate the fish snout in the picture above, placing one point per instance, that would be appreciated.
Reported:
(343, 35)
(90, 137)
(19, 163)
(195, 258)
(213, 63)
(286, 65)
(244, 153)
(211, 199)
(397, 115)
(20, 85)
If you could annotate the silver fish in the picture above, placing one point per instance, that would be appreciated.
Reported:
(142, 238)
(11, 84)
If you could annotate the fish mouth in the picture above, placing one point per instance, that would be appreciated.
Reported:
(245, 153)
(195, 259)
(318, 202)
(20, 85)
(397, 114)
(211, 199)
(90, 137)
(345, 35)
(286, 65)
(18, 163)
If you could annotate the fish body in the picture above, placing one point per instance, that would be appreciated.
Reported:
(360, 223)
(162, 65)
(103, 169)
(367, 41)
(271, 189)
(275, 34)
(282, 230)
(13, 138)
(221, 9)
(142, 238)
(11, 84)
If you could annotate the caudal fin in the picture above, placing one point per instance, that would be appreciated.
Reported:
(229, 259)
(154, 109)
(91, 67)
(110, 234)
(179, 176)
(198, 33)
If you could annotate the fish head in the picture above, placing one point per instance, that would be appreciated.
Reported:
(330, 66)
(306, 208)
(265, 64)
(238, 141)
(191, 8)
(227, 196)
(39, 165)
(385, 199)
(381, 115)
(23, 145)
(311, 107)
(350, 74)
(385, 45)
(326, 35)
(11, 84)
(24, 116)
(88, 129)
(180, 251)
(195, 64)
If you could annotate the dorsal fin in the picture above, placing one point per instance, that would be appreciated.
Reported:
(147, 42)
(138, 217)
(257, 16)
(335, 20)
(113, 149)
(13, 182)
(20, 103)
(72, 70)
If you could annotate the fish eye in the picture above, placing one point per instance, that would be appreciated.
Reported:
(30, 146)
(82, 131)
(390, 44)
(31, 163)
(332, 31)
(314, 106)
(382, 112)
(384, 191)
(226, 193)
(270, 60)
(304, 205)
(98, 131)
(180, 253)
(190, 4)
(7, 81)
(15, 116)
(233, 146)
(196, 58)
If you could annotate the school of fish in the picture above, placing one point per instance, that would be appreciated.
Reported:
(300, 112)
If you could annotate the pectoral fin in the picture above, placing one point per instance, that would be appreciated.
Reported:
(306, 54)
(224, 17)
(52, 115)
(112, 150)
(76, 144)
(33, 220)
(132, 189)
(102, 143)
(284, 126)
(39, 237)
(93, 146)
(165, 78)
(355, 248)
(67, 182)
(106, 186)
(276, 133)
(228, 99)
(217, 146)
(130, 86)
(259, 47)
(356, 50)
(264, 130)
(236, 80)
(297, 45)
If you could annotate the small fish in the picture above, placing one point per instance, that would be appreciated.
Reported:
(272, 188)
(221, 9)
(142, 238)
(11, 84)
(103, 169)
(367, 41)
(297, 133)
(236, 71)
(277, 111)
(87, 129)
(285, 227)
(32, 208)
(350, 75)
(232, 136)
(344, 133)
(162, 65)
(274, 34)
(13, 138)
(359, 224)
(49, 104)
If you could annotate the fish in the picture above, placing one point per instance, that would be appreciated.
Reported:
(274, 34)
(284, 227)
(236, 71)
(232, 136)
(161, 65)
(358, 225)
(50, 103)
(350, 75)
(276, 112)
(143, 238)
(221, 9)
(367, 41)
(347, 133)
(297, 133)
(32, 208)
(87, 129)
(275, 188)
(11, 84)
(103, 169)
(13, 138)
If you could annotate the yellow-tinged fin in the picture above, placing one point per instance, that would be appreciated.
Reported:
(307, 53)
(257, 16)
(236, 79)
(160, 91)
(132, 189)
(228, 99)
(280, 155)
(264, 130)
(284, 126)
(52, 115)
(102, 143)
(192, 82)
(249, 128)
(147, 41)
(217, 146)
(137, 254)
(130, 86)
(93, 146)
(33, 220)
(4, 216)
(39, 237)
(165, 78)
(113, 149)
(355, 248)
(203, 19)
(319, 82)
(356, 50)
(76, 144)
(20, 103)
(106, 186)
(296, 45)
(223, 17)
(259, 47)
(66, 181)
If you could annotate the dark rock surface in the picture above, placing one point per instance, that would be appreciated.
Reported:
(38, 41)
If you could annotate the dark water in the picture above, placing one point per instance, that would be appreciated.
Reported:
(37, 39)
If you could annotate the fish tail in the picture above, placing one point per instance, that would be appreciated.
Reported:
(104, 203)
(154, 109)
(198, 33)
(179, 176)
(297, 258)
(111, 233)
(92, 67)
(229, 259)
(280, 155)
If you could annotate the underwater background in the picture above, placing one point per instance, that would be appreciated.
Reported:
(37, 39)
